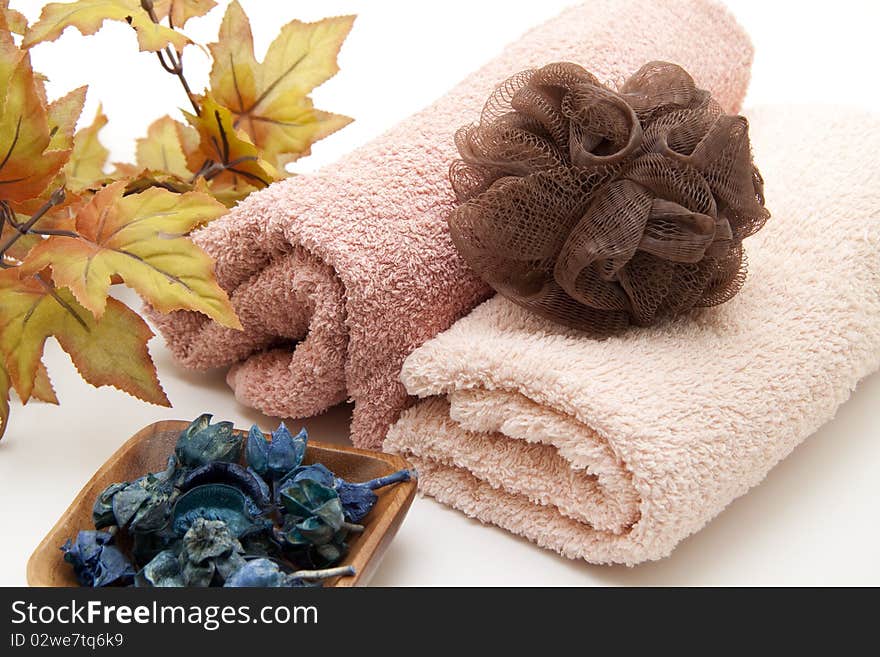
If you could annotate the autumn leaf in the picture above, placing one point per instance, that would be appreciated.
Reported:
(15, 22)
(23, 244)
(43, 390)
(226, 156)
(162, 149)
(269, 99)
(26, 166)
(4, 399)
(85, 169)
(180, 11)
(88, 16)
(111, 350)
(140, 238)
(62, 115)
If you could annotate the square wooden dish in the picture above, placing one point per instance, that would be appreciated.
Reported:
(148, 450)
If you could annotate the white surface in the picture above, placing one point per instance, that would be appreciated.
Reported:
(813, 521)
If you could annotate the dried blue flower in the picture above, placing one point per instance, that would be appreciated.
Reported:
(102, 511)
(274, 459)
(258, 573)
(209, 539)
(232, 474)
(209, 554)
(202, 443)
(266, 573)
(213, 502)
(96, 561)
(314, 513)
(210, 550)
(315, 471)
(141, 505)
(358, 499)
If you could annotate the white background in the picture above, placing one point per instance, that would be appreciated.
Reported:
(813, 521)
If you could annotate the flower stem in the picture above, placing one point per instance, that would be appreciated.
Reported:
(171, 61)
(325, 573)
(393, 478)
(23, 229)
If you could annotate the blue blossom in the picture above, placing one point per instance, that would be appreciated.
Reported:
(274, 459)
(266, 573)
(96, 561)
(202, 443)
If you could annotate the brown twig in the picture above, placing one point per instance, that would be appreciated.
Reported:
(23, 229)
(174, 62)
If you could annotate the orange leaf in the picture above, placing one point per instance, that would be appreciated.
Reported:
(26, 166)
(141, 238)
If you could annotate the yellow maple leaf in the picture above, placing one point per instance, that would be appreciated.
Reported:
(180, 11)
(111, 350)
(85, 168)
(225, 156)
(62, 115)
(162, 149)
(88, 16)
(142, 239)
(269, 99)
(15, 22)
(26, 165)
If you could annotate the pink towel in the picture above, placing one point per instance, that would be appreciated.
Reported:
(616, 450)
(338, 276)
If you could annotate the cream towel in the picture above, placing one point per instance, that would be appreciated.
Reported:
(616, 450)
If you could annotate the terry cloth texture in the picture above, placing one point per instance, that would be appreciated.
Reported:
(338, 276)
(616, 450)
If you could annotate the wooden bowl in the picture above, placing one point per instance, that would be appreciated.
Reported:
(148, 450)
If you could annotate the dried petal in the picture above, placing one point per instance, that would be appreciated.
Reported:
(202, 443)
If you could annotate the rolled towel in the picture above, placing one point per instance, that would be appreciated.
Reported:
(338, 276)
(616, 450)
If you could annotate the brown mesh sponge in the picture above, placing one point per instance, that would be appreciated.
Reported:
(601, 208)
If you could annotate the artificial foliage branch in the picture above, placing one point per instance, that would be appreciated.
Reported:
(70, 229)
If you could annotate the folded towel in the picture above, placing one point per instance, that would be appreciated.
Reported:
(338, 276)
(616, 450)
